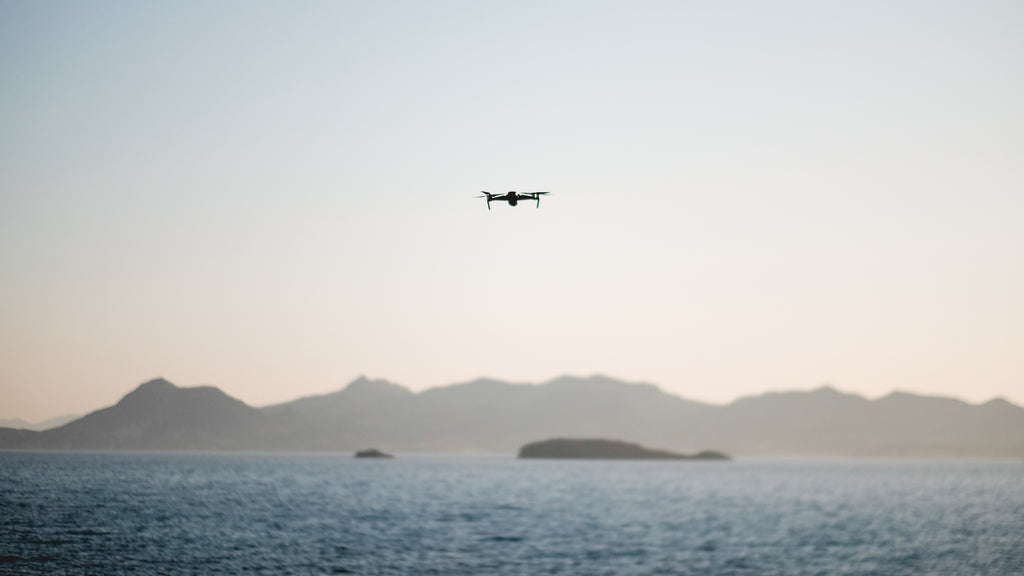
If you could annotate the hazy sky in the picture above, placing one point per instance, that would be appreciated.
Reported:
(276, 197)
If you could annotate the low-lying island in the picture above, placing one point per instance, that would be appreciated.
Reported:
(372, 453)
(600, 449)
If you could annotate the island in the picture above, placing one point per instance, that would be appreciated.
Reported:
(372, 453)
(599, 449)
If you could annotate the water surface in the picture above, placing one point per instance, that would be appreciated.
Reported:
(151, 513)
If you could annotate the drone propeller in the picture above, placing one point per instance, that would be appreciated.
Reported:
(486, 195)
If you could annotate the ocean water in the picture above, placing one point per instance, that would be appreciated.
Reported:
(115, 513)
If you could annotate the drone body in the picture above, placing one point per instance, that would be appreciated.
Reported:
(512, 197)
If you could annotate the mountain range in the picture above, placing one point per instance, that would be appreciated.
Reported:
(492, 416)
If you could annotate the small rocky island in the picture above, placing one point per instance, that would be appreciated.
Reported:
(372, 453)
(606, 450)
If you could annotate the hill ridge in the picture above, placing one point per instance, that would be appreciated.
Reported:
(490, 415)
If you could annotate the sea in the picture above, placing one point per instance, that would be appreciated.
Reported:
(114, 514)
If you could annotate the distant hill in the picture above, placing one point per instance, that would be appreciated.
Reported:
(498, 417)
(160, 416)
(43, 425)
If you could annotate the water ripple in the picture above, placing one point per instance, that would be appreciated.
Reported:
(114, 514)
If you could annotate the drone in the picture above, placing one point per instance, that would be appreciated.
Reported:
(512, 197)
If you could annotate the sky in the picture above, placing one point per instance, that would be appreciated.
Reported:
(278, 197)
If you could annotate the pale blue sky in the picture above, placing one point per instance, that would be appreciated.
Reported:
(276, 197)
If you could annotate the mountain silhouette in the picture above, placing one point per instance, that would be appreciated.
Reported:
(161, 416)
(493, 416)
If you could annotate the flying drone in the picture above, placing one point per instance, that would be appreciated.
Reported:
(511, 197)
